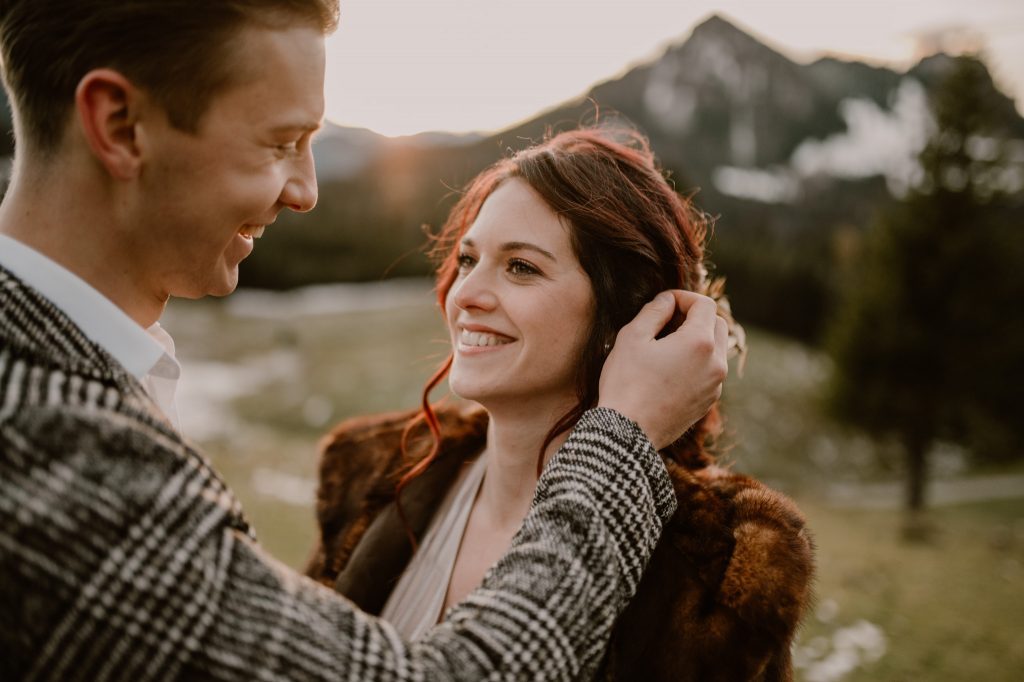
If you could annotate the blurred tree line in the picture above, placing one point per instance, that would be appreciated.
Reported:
(929, 340)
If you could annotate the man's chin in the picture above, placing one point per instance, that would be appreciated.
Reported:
(219, 286)
(226, 287)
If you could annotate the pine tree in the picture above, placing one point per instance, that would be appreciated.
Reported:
(929, 343)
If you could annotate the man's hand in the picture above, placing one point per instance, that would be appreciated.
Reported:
(666, 385)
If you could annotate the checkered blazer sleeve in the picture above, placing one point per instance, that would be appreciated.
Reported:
(123, 557)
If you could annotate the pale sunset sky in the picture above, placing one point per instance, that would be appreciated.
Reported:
(405, 66)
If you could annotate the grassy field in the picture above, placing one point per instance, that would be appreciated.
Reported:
(948, 610)
(264, 378)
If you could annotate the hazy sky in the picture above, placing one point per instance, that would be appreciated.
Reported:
(405, 66)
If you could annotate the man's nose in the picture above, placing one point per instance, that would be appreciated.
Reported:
(300, 191)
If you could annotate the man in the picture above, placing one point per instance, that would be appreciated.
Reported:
(154, 140)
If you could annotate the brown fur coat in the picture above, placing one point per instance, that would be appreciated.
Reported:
(722, 596)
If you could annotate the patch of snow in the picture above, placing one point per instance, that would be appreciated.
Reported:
(773, 186)
(206, 389)
(876, 142)
(742, 137)
(288, 488)
(830, 660)
(715, 58)
(317, 411)
(672, 104)
(329, 299)
(827, 611)
(1011, 179)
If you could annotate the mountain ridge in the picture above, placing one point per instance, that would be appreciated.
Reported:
(794, 160)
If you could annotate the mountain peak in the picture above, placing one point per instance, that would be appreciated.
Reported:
(715, 22)
(717, 26)
(717, 30)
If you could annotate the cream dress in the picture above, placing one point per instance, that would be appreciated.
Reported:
(416, 603)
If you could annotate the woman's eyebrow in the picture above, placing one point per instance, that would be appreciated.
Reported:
(517, 246)
(527, 246)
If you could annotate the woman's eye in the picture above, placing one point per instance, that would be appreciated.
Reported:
(465, 262)
(522, 268)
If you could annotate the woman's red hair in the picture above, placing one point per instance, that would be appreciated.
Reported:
(633, 234)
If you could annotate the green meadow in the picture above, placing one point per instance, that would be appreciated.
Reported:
(266, 375)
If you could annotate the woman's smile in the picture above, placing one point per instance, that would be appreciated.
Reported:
(474, 339)
(521, 298)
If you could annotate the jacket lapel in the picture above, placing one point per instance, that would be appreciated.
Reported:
(384, 551)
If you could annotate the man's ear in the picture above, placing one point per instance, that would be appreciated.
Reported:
(108, 105)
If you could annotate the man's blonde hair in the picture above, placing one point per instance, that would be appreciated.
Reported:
(179, 51)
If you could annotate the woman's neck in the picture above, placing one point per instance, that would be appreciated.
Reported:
(514, 438)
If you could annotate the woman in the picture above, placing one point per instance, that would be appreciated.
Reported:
(544, 258)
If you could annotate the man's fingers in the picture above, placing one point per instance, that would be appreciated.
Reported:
(641, 382)
(701, 311)
(684, 299)
(721, 338)
(652, 317)
(721, 351)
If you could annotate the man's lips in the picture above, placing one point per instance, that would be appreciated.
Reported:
(252, 231)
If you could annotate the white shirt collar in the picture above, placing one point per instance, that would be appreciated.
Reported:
(137, 349)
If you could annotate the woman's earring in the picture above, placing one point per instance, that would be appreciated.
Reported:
(607, 348)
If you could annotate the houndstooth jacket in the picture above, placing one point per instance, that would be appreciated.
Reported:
(124, 556)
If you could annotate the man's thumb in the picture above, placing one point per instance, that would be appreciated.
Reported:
(653, 317)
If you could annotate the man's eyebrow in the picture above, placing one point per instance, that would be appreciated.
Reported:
(303, 126)
(517, 246)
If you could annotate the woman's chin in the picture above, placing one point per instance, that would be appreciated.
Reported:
(487, 396)
(468, 393)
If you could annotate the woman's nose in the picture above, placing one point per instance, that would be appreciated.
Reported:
(475, 290)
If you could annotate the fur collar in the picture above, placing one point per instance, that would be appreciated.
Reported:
(721, 598)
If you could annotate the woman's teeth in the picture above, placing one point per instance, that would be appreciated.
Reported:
(468, 338)
(253, 231)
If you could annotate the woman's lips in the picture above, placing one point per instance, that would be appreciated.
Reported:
(482, 339)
